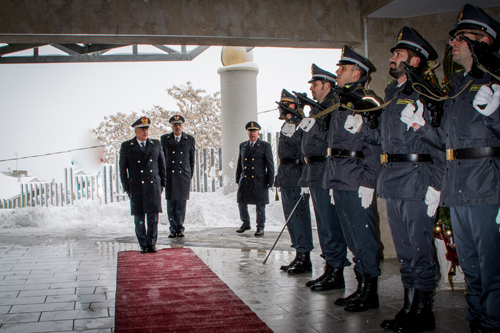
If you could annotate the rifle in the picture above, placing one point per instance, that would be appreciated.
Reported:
(483, 55)
(304, 100)
(285, 109)
(429, 94)
(359, 103)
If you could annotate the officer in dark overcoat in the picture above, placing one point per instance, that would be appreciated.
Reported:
(255, 175)
(314, 148)
(290, 166)
(179, 149)
(471, 185)
(410, 181)
(351, 174)
(142, 174)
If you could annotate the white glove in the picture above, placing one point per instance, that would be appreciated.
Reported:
(353, 123)
(307, 123)
(418, 117)
(304, 190)
(487, 97)
(288, 129)
(332, 199)
(409, 116)
(366, 195)
(432, 198)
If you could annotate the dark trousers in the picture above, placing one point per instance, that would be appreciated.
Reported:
(299, 225)
(331, 239)
(477, 236)
(176, 210)
(412, 233)
(358, 226)
(146, 236)
(245, 217)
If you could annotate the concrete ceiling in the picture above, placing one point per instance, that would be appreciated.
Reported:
(410, 8)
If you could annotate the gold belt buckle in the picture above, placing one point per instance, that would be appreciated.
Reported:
(306, 159)
(329, 152)
(384, 158)
(450, 154)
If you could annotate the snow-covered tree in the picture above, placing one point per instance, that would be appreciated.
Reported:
(201, 111)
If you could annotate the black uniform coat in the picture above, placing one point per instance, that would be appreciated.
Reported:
(254, 173)
(468, 181)
(142, 175)
(404, 180)
(290, 148)
(179, 164)
(345, 173)
(314, 144)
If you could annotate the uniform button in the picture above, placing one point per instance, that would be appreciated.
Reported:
(150, 160)
(173, 152)
(253, 159)
(181, 152)
(150, 170)
(142, 171)
(253, 168)
(138, 161)
(245, 176)
(180, 171)
(173, 161)
(173, 171)
(151, 182)
(245, 167)
(143, 181)
(180, 162)
(245, 159)
(252, 177)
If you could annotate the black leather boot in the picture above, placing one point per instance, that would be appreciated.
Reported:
(286, 267)
(421, 317)
(311, 282)
(332, 279)
(301, 265)
(368, 299)
(353, 296)
(403, 314)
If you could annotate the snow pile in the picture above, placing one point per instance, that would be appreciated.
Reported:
(93, 219)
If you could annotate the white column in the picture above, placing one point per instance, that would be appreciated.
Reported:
(238, 107)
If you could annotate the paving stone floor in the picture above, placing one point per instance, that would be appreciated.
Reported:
(65, 284)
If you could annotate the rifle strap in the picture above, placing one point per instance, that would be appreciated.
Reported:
(371, 109)
(325, 111)
(481, 67)
(438, 98)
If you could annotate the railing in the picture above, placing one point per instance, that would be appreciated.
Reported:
(106, 186)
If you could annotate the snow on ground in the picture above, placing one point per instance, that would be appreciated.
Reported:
(204, 210)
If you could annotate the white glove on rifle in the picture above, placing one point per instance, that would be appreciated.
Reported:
(304, 190)
(366, 195)
(288, 130)
(307, 123)
(332, 199)
(487, 100)
(409, 116)
(432, 198)
(353, 123)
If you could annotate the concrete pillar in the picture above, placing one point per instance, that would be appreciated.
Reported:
(238, 81)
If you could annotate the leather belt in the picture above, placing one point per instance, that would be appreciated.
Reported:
(466, 153)
(389, 158)
(312, 159)
(345, 153)
(288, 160)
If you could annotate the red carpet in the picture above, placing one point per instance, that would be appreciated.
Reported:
(174, 291)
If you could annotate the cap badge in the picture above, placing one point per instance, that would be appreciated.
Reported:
(400, 35)
(342, 54)
(176, 117)
(251, 124)
(460, 15)
(144, 120)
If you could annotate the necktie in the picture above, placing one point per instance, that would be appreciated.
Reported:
(177, 139)
(143, 145)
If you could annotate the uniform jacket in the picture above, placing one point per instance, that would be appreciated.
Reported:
(179, 159)
(468, 181)
(346, 173)
(254, 173)
(290, 148)
(404, 180)
(314, 144)
(142, 175)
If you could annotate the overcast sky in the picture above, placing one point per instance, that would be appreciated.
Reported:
(48, 108)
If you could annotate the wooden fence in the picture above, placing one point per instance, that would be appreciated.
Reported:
(106, 186)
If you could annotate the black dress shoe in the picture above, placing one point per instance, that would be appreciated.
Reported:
(172, 235)
(180, 234)
(144, 249)
(152, 249)
(242, 229)
(259, 232)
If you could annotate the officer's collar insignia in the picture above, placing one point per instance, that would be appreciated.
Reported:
(144, 120)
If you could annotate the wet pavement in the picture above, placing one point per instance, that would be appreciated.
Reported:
(65, 284)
